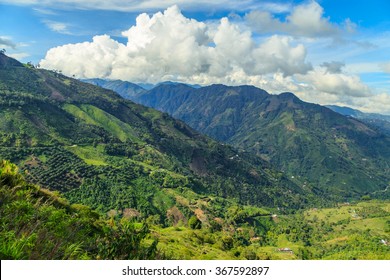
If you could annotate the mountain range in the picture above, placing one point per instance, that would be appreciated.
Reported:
(101, 177)
(377, 121)
(280, 151)
(311, 143)
(127, 90)
(110, 153)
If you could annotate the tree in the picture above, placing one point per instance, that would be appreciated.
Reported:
(194, 223)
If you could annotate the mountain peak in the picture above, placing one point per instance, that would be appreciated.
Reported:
(169, 85)
(6, 61)
(288, 95)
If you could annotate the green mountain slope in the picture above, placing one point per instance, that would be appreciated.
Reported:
(39, 224)
(310, 143)
(112, 154)
(168, 191)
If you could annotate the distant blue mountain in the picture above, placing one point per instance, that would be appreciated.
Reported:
(125, 89)
(347, 111)
(130, 90)
(177, 83)
(378, 121)
(146, 85)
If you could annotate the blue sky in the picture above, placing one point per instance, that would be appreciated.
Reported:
(327, 52)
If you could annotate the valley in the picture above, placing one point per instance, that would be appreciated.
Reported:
(311, 144)
(87, 174)
(40, 224)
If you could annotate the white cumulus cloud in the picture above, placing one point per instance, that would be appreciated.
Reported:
(378, 103)
(305, 20)
(338, 84)
(170, 46)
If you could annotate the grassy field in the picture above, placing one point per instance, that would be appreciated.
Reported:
(90, 155)
(95, 116)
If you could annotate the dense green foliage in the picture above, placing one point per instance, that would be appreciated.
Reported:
(39, 224)
(312, 144)
(110, 153)
(130, 182)
(342, 232)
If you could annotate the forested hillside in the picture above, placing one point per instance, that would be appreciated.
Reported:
(112, 154)
(39, 224)
(103, 178)
(312, 144)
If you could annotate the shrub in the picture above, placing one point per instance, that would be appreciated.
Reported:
(194, 223)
